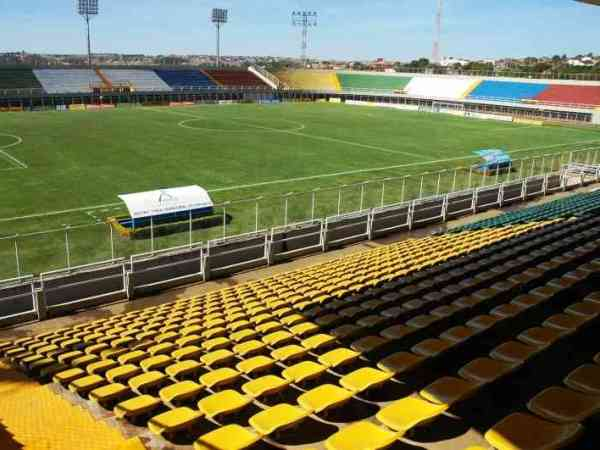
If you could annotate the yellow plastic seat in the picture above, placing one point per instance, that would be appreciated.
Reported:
(178, 392)
(540, 337)
(338, 357)
(84, 360)
(243, 335)
(229, 437)
(276, 418)
(148, 380)
(173, 421)
(277, 338)
(303, 371)
(318, 341)
(406, 413)
(224, 402)
(217, 357)
(368, 344)
(156, 363)
(265, 386)
(431, 347)
(136, 406)
(249, 348)
(96, 349)
(585, 379)
(255, 364)
(485, 370)
(67, 376)
(289, 353)
(122, 373)
(133, 357)
(85, 384)
(361, 435)
(400, 362)
(192, 339)
(324, 397)
(109, 393)
(562, 405)
(448, 390)
(304, 329)
(584, 309)
(219, 377)
(364, 378)
(159, 349)
(527, 432)
(187, 352)
(513, 352)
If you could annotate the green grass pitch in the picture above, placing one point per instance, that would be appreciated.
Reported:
(60, 169)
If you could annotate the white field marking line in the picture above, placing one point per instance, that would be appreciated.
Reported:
(19, 141)
(313, 136)
(292, 180)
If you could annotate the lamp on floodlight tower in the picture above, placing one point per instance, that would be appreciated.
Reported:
(304, 20)
(219, 17)
(88, 9)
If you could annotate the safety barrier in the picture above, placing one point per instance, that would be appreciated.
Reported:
(34, 298)
(164, 268)
(68, 290)
(18, 302)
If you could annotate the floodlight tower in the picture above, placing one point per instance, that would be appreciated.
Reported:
(88, 9)
(437, 56)
(304, 20)
(219, 17)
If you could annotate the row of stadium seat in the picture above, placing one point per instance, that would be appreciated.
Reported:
(62, 81)
(444, 87)
(18, 79)
(179, 365)
(574, 205)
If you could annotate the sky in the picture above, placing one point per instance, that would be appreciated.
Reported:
(347, 29)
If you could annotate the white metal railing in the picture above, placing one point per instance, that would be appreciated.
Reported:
(251, 249)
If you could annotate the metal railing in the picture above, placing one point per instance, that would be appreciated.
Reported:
(33, 298)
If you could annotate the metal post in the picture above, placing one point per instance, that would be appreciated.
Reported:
(522, 167)
(339, 207)
(112, 242)
(595, 157)
(509, 171)
(497, 174)
(439, 180)
(67, 248)
(191, 237)
(285, 209)
(224, 221)
(17, 257)
(218, 26)
(483, 178)
(532, 167)
(421, 187)
(382, 193)
(256, 215)
(470, 176)
(454, 180)
(313, 205)
(587, 157)
(403, 189)
(543, 164)
(362, 196)
(152, 234)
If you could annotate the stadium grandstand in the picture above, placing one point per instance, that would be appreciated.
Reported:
(373, 260)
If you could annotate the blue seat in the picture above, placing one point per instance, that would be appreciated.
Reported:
(507, 90)
(185, 78)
